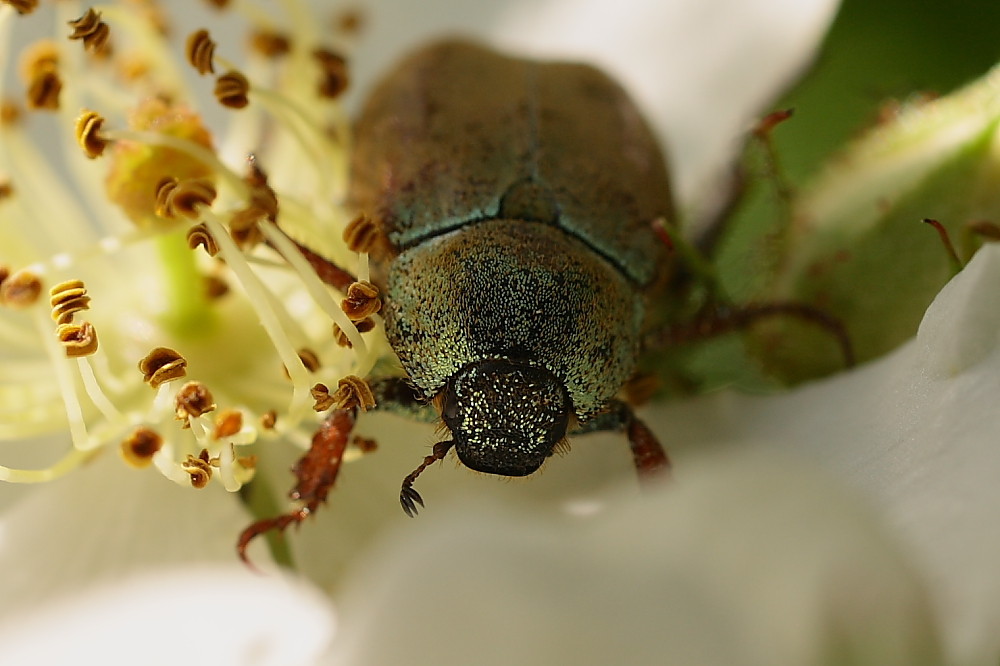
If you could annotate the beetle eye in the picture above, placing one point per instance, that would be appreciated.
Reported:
(505, 417)
(449, 410)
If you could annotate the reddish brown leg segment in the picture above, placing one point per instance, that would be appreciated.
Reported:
(315, 471)
(651, 461)
(409, 498)
(328, 272)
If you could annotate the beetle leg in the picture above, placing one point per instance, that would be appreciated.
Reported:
(326, 270)
(315, 471)
(728, 319)
(650, 459)
(408, 496)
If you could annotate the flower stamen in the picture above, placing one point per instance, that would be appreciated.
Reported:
(140, 446)
(199, 469)
(232, 90)
(199, 51)
(67, 298)
(88, 134)
(77, 339)
(22, 6)
(192, 400)
(162, 365)
(92, 30)
(21, 289)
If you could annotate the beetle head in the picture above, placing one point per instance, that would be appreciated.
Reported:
(505, 417)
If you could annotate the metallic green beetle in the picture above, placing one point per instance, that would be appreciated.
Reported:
(514, 202)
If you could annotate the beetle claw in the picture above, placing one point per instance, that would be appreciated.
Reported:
(409, 499)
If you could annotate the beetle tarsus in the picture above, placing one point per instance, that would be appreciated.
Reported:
(409, 498)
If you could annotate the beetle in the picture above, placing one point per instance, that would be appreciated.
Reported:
(514, 201)
(514, 213)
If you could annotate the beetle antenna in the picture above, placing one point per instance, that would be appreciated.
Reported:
(409, 497)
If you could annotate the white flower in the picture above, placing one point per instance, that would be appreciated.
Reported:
(747, 559)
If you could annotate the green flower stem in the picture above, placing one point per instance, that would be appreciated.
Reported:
(262, 502)
(188, 313)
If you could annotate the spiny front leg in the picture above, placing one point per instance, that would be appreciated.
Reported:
(315, 472)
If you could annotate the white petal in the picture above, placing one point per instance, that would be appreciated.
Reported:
(196, 615)
(701, 70)
(916, 431)
(743, 560)
(105, 521)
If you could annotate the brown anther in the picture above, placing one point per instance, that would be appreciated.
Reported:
(352, 391)
(228, 422)
(322, 400)
(200, 50)
(43, 91)
(231, 90)
(66, 299)
(162, 365)
(247, 462)
(334, 77)
(164, 189)
(363, 326)
(199, 236)
(154, 16)
(362, 301)
(248, 238)
(77, 339)
(39, 57)
(139, 447)
(133, 68)
(39, 68)
(263, 203)
(199, 469)
(350, 21)
(361, 234)
(263, 207)
(6, 189)
(215, 287)
(10, 113)
(92, 30)
(88, 134)
(218, 4)
(364, 444)
(193, 399)
(309, 359)
(183, 198)
(270, 44)
(21, 289)
(188, 195)
(268, 419)
(22, 6)
(4, 274)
